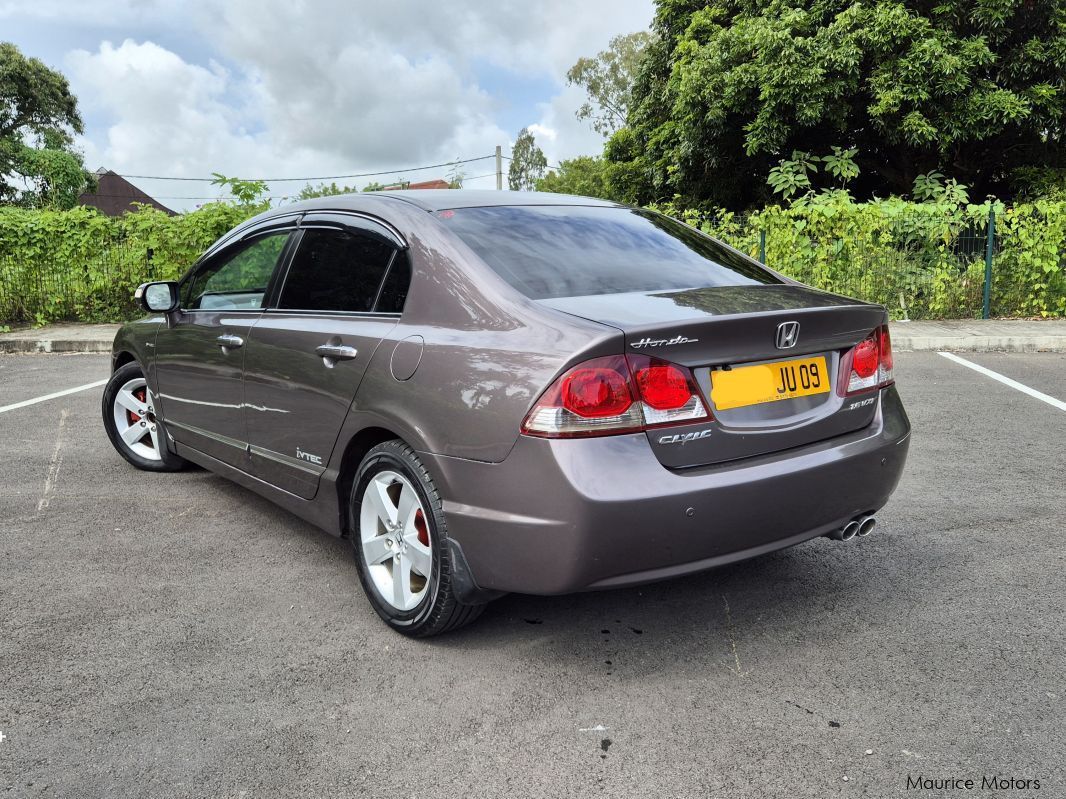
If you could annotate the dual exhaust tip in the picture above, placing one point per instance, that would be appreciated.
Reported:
(860, 526)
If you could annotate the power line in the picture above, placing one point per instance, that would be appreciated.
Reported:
(550, 166)
(321, 177)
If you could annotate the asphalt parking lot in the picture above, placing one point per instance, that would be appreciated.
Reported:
(176, 635)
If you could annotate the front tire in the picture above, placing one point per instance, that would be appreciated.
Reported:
(128, 409)
(399, 538)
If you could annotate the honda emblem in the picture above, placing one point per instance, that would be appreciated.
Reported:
(788, 334)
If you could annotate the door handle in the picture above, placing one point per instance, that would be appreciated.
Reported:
(229, 342)
(331, 353)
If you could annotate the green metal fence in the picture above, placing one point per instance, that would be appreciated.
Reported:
(918, 266)
(97, 286)
(918, 263)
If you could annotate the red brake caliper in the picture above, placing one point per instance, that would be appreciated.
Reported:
(423, 531)
(140, 394)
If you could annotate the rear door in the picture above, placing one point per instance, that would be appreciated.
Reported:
(200, 352)
(342, 293)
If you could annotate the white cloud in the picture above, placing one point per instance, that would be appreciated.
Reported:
(570, 136)
(292, 87)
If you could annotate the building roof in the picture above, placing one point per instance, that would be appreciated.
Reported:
(437, 183)
(115, 196)
(437, 200)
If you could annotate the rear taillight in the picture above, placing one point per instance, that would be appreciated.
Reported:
(616, 394)
(868, 364)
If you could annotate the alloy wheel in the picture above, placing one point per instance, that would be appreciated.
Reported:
(135, 419)
(395, 539)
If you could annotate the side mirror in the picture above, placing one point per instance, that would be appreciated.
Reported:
(157, 297)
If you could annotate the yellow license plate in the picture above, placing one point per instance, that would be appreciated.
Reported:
(768, 382)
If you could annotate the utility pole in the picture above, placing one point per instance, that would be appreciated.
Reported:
(499, 168)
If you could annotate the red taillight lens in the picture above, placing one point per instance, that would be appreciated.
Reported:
(616, 394)
(595, 392)
(663, 386)
(868, 364)
(866, 356)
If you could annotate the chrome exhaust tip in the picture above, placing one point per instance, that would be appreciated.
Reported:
(845, 533)
(866, 526)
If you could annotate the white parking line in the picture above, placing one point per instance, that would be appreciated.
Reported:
(46, 397)
(1032, 392)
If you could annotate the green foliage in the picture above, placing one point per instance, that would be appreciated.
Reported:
(39, 166)
(790, 176)
(971, 90)
(527, 163)
(841, 164)
(455, 176)
(919, 259)
(586, 176)
(374, 186)
(80, 264)
(309, 192)
(607, 78)
(246, 192)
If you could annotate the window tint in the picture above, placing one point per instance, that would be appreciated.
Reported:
(237, 279)
(577, 251)
(394, 292)
(335, 270)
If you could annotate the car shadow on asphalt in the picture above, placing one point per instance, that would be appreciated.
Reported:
(817, 590)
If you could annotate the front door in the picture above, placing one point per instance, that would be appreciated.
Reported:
(200, 353)
(342, 294)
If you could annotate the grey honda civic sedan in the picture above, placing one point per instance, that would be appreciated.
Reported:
(491, 392)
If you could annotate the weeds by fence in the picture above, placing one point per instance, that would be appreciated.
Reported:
(80, 265)
(921, 260)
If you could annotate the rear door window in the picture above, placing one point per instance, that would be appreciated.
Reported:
(576, 251)
(336, 270)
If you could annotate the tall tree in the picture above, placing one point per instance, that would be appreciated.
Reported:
(38, 119)
(608, 78)
(585, 175)
(527, 163)
(973, 89)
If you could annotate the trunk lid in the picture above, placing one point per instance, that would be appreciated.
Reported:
(720, 329)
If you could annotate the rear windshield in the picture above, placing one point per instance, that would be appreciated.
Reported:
(577, 251)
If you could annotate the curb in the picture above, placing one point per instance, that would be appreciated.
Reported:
(23, 346)
(1019, 344)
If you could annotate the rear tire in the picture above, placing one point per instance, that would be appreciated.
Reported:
(399, 539)
(129, 418)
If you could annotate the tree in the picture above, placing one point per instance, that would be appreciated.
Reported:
(309, 192)
(246, 192)
(38, 119)
(729, 89)
(607, 78)
(585, 175)
(527, 163)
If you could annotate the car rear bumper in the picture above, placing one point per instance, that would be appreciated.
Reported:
(558, 516)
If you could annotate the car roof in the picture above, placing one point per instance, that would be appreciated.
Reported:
(445, 199)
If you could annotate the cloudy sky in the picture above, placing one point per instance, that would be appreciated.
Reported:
(298, 88)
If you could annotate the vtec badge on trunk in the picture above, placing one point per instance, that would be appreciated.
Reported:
(684, 438)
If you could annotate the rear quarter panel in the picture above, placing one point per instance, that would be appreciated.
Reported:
(488, 352)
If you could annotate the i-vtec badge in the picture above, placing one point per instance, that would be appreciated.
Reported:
(684, 438)
(861, 404)
(307, 456)
(663, 342)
